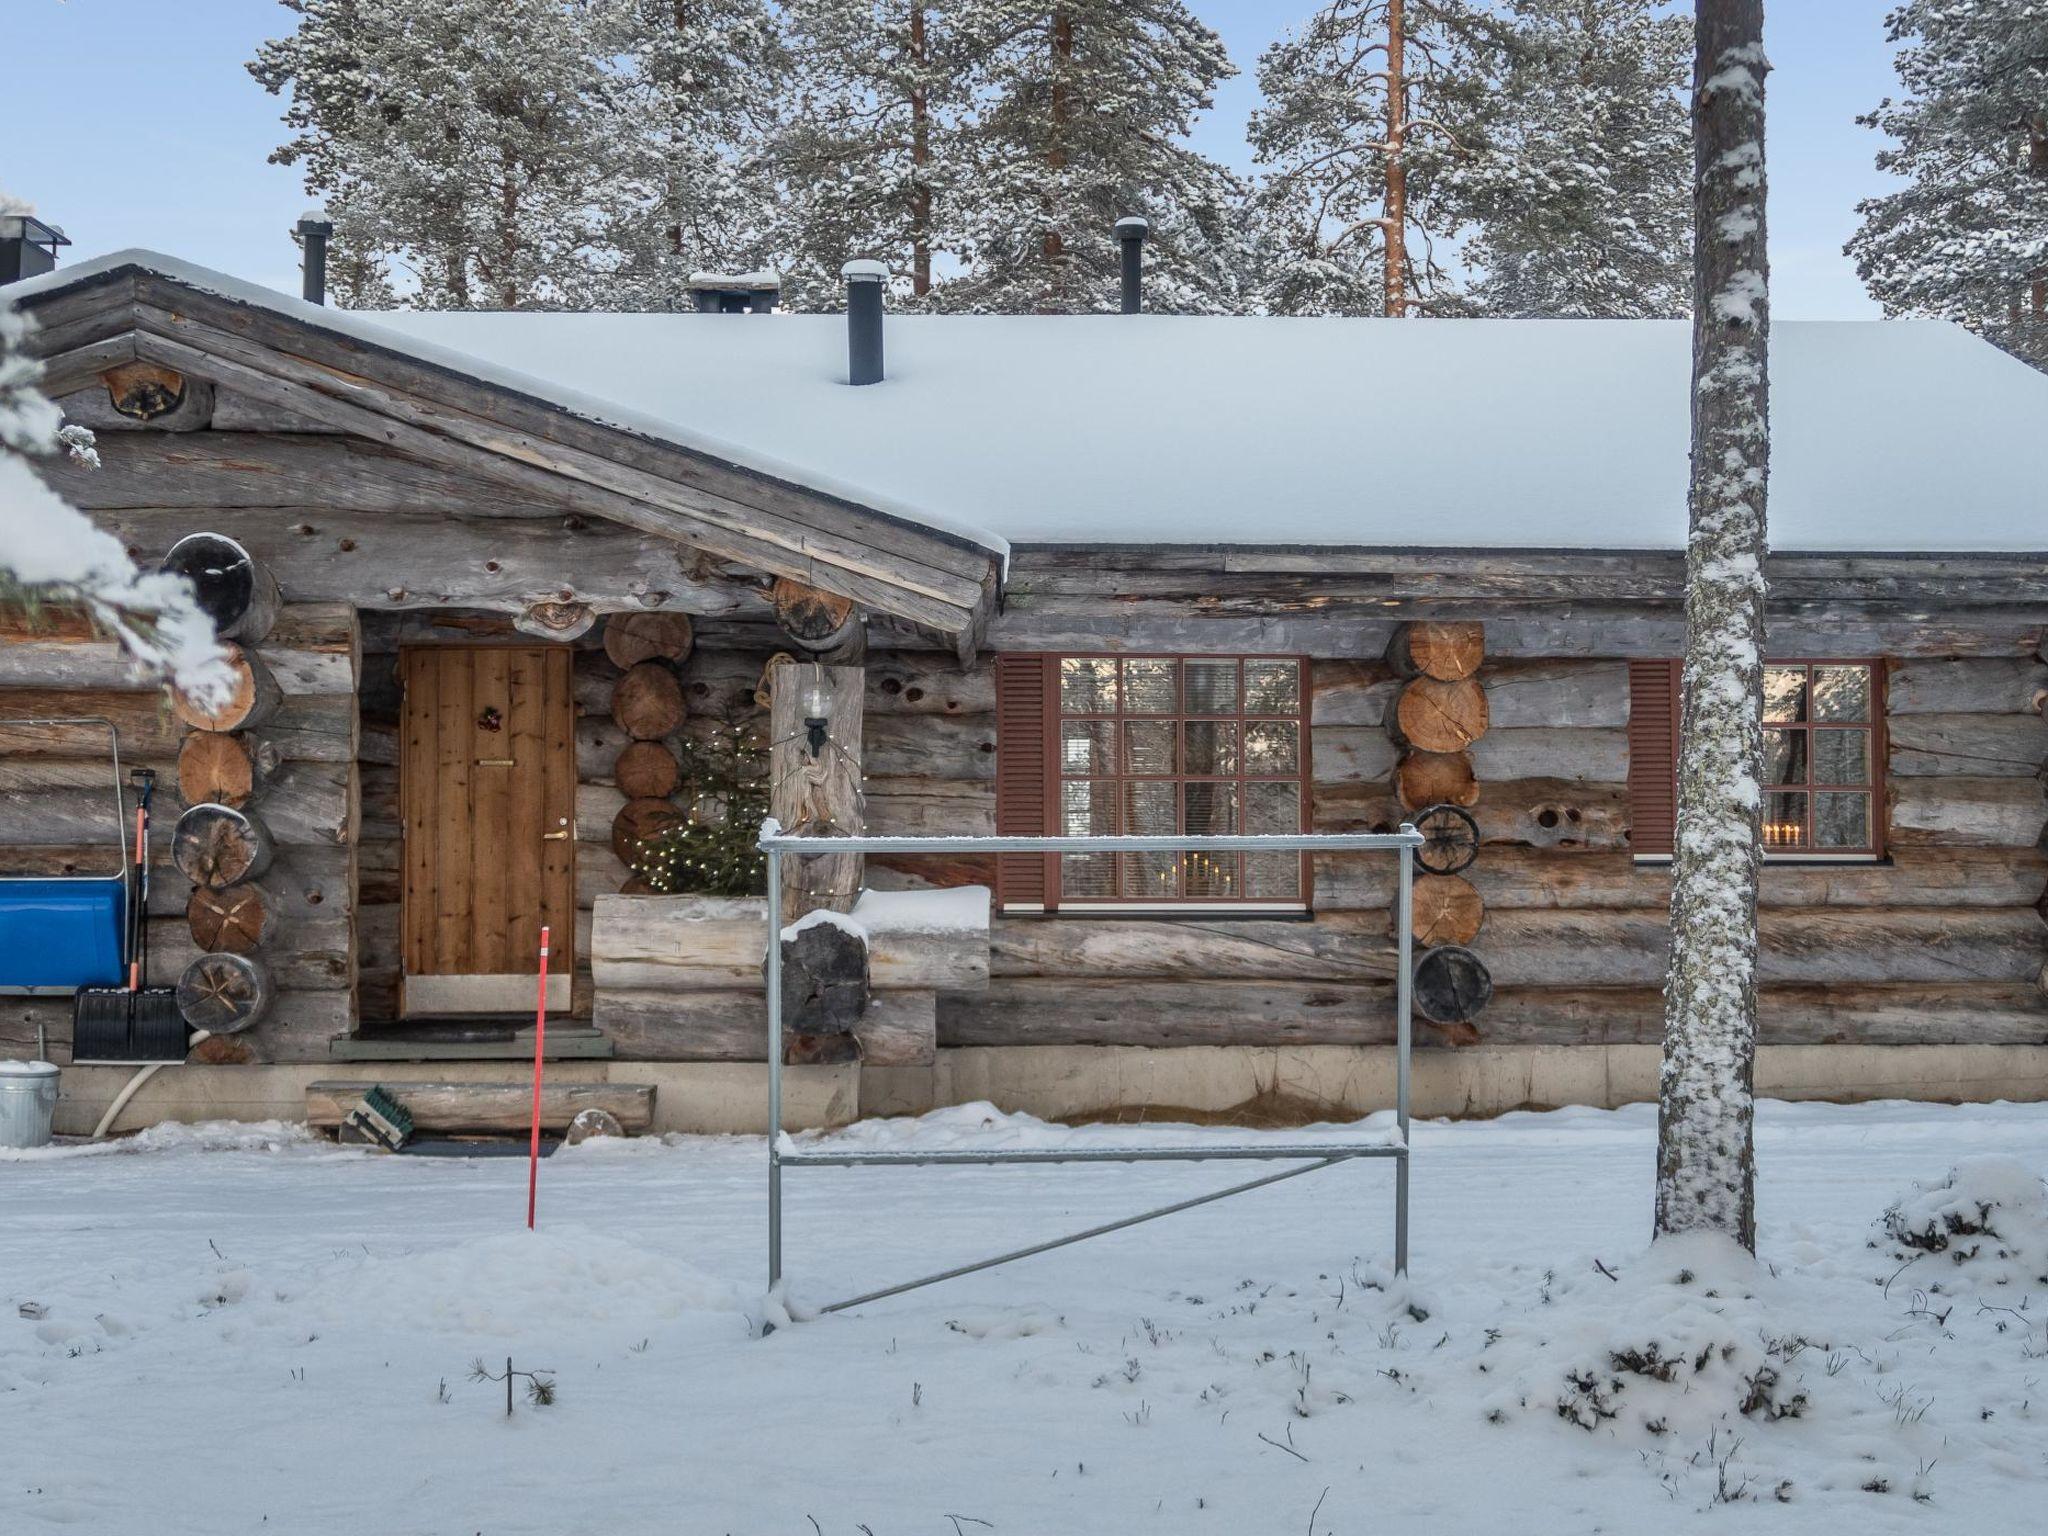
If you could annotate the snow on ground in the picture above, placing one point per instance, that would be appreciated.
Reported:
(246, 1329)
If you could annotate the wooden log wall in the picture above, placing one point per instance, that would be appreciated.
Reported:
(1944, 943)
(56, 817)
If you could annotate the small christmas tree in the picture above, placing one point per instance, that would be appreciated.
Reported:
(713, 852)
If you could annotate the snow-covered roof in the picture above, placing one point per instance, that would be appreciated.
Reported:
(1543, 434)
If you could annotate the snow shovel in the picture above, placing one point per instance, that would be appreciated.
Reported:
(137, 1023)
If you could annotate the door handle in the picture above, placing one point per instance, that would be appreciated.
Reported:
(496, 762)
(562, 823)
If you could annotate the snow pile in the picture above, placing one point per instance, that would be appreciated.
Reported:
(1985, 1225)
(821, 918)
(955, 909)
(1680, 1346)
(521, 1284)
(981, 1126)
(199, 1136)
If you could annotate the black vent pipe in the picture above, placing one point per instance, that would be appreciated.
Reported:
(1131, 231)
(864, 283)
(314, 228)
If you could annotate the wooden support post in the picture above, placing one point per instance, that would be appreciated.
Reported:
(815, 787)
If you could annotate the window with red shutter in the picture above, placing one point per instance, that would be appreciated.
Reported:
(1138, 745)
(1824, 754)
(1652, 755)
(1024, 775)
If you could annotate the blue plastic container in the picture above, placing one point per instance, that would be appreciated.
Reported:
(62, 933)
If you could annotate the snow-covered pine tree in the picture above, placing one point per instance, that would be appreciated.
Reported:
(874, 150)
(458, 141)
(1086, 109)
(1967, 238)
(692, 98)
(1706, 1147)
(1581, 194)
(1367, 108)
(51, 553)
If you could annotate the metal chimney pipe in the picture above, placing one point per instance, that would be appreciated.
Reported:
(864, 283)
(314, 228)
(1131, 231)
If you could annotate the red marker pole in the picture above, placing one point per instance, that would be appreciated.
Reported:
(540, 1040)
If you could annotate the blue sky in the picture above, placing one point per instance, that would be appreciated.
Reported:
(132, 122)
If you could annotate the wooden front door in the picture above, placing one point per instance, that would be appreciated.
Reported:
(487, 791)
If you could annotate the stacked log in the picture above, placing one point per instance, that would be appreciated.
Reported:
(1439, 715)
(222, 843)
(823, 625)
(648, 707)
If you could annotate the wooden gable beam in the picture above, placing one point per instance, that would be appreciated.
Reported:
(571, 493)
(781, 528)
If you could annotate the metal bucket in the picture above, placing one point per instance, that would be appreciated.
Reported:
(28, 1098)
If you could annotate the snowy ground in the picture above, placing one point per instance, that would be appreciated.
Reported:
(248, 1330)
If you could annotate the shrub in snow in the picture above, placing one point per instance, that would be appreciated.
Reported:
(1683, 1343)
(1986, 1223)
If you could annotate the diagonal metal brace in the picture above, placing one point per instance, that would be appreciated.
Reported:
(1107, 1227)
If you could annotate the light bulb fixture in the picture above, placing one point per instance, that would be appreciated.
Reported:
(817, 704)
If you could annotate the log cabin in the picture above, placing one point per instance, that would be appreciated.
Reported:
(494, 574)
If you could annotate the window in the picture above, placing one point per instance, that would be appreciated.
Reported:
(1823, 758)
(1138, 745)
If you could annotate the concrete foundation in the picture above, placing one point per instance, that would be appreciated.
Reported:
(1078, 1082)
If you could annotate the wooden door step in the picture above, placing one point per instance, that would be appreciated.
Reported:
(486, 1109)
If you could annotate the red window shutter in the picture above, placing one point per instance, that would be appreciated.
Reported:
(1024, 775)
(1652, 755)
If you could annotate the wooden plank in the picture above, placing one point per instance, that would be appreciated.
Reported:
(1988, 685)
(1041, 1010)
(485, 1108)
(454, 820)
(449, 560)
(558, 854)
(1799, 946)
(1346, 946)
(1534, 878)
(945, 747)
(1583, 694)
(203, 473)
(906, 683)
(417, 785)
(495, 832)
(2005, 746)
(1931, 1014)
(914, 805)
(1347, 754)
(1551, 752)
(729, 1026)
(1967, 811)
(1538, 813)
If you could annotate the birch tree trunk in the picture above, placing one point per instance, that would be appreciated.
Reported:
(1706, 1151)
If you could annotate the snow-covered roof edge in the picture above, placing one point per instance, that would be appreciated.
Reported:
(604, 413)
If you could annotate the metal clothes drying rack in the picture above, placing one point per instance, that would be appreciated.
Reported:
(775, 842)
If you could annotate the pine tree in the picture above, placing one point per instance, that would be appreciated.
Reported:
(691, 96)
(1580, 191)
(458, 141)
(1087, 105)
(1967, 238)
(1356, 210)
(714, 851)
(1706, 1147)
(874, 152)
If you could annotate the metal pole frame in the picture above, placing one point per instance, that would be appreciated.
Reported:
(774, 842)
